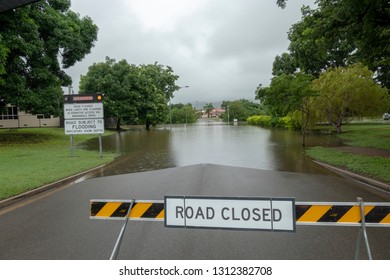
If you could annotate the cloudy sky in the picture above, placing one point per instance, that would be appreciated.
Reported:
(221, 49)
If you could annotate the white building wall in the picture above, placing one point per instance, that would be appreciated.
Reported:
(28, 120)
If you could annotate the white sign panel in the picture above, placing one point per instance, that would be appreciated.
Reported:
(87, 126)
(83, 111)
(249, 213)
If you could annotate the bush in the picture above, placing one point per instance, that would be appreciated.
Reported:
(276, 122)
(291, 123)
(260, 120)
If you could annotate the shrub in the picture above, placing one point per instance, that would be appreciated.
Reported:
(260, 120)
(276, 122)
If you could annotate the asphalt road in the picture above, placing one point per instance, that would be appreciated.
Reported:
(57, 225)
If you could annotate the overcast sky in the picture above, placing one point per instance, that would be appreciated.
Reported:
(221, 49)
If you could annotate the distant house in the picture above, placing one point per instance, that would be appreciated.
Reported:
(217, 112)
(11, 117)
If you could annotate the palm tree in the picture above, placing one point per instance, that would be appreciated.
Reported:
(208, 108)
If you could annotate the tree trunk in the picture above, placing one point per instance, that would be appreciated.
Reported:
(338, 126)
(303, 128)
(147, 125)
(303, 137)
(118, 124)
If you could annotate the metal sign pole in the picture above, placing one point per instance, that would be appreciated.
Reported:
(362, 232)
(71, 145)
(118, 242)
(100, 146)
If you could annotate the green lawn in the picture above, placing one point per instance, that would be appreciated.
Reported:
(376, 136)
(32, 157)
(371, 166)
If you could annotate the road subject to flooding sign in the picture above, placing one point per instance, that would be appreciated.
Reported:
(248, 213)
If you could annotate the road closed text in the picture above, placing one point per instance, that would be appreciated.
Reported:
(229, 213)
(273, 214)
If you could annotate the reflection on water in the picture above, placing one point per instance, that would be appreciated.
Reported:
(211, 142)
(141, 150)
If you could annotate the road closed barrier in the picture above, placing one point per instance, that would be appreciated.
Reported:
(244, 213)
(248, 210)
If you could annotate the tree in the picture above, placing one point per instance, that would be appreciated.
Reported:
(139, 93)
(340, 33)
(348, 92)
(241, 109)
(284, 64)
(366, 25)
(285, 93)
(208, 108)
(289, 94)
(36, 42)
(281, 3)
(184, 113)
(311, 52)
(158, 89)
(121, 85)
(3, 55)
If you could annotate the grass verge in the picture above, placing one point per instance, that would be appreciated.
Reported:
(375, 136)
(371, 166)
(32, 157)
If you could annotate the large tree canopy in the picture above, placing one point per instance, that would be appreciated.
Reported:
(36, 42)
(348, 92)
(120, 84)
(159, 88)
(342, 32)
(285, 93)
(137, 93)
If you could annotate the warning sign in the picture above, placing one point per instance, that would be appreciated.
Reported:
(273, 214)
(83, 114)
(83, 111)
(87, 126)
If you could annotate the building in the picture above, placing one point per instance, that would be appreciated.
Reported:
(11, 117)
(217, 112)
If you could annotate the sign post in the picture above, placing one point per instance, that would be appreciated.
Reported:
(83, 114)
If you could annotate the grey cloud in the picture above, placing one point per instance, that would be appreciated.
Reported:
(221, 49)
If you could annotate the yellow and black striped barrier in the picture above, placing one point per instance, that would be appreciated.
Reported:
(307, 213)
(142, 210)
(342, 213)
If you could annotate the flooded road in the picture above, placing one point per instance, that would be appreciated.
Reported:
(211, 142)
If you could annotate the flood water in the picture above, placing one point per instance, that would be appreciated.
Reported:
(211, 142)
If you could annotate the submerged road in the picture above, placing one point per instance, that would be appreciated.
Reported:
(57, 226)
